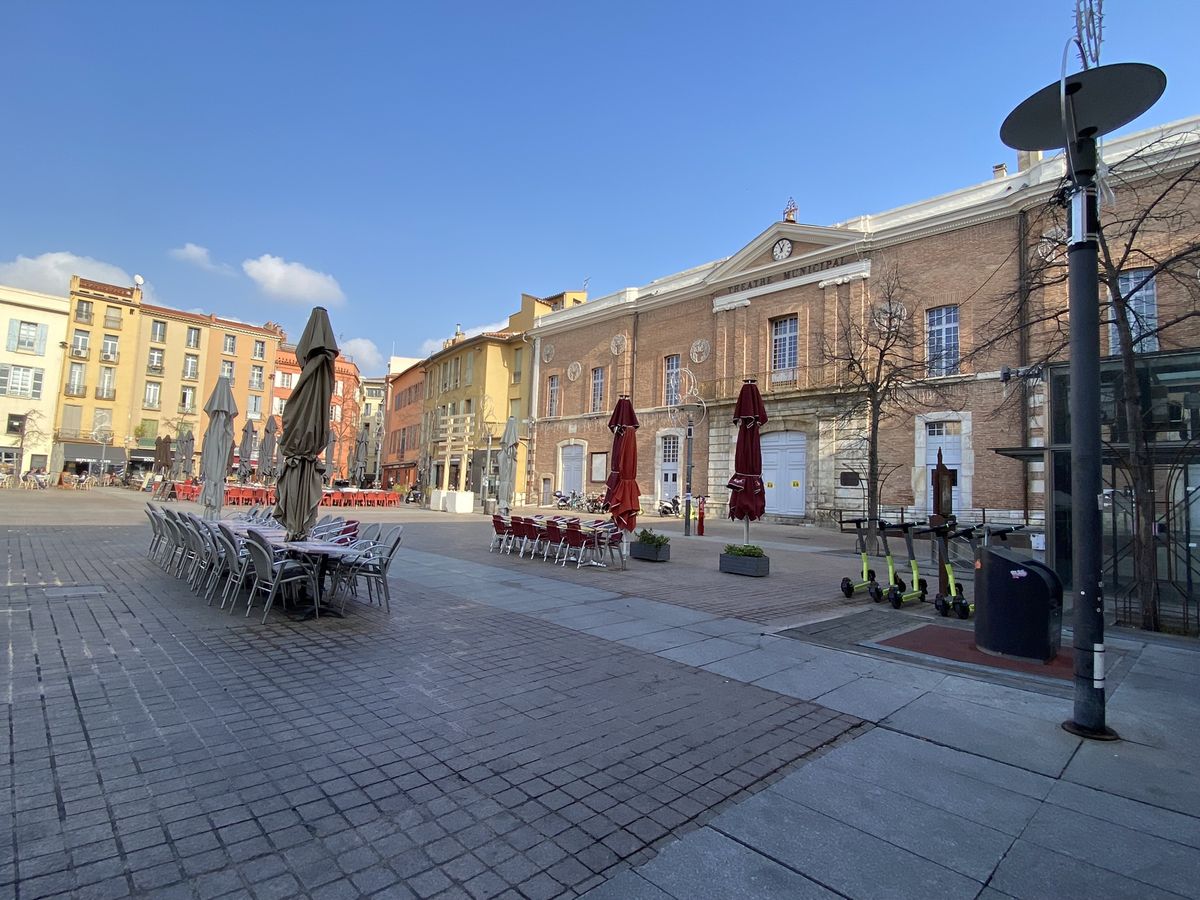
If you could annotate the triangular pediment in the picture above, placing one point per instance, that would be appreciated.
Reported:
(807, 241)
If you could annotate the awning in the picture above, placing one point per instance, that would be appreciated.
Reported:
(1024, 454)
(141, 456)
(90, 453)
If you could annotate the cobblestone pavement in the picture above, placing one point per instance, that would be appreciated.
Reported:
(156, 747)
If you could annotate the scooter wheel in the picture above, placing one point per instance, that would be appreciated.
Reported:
(900, 584)
(875, 592)
(964, 611)
(895, 598)
(847, 587)
(940, 604)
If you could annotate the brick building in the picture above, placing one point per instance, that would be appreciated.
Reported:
(404, 406)
(343, 407)
(779, 310)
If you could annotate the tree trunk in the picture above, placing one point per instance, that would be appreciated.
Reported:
(1140, 463)
(872, 465)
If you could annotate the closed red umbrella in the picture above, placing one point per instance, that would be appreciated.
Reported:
(747, 501)
(624, 497)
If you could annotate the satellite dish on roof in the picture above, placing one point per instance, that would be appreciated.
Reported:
(139, 280)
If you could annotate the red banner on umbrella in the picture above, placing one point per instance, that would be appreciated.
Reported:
(746, 497)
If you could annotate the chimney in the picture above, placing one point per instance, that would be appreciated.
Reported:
(1027, 159)
(1000, 170)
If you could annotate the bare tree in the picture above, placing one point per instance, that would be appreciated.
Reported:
(33, 431)
(1149, 260)
(880, 367)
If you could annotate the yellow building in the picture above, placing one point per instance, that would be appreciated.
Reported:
(34, 327)
(133, 371)
(472, 386)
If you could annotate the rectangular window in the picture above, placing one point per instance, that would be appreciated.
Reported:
(514, 407)
(671, 380)
(155, 363)
(340, 389)
(191, 367)
(187, 400)
(112, 317)
(83, 311)
(941, 336)
(76, 386)
(260, 350)
(516, 369)
(193, 338)
(16, 424)
(254, 406)
(1141, 309)
(27, 337)
(153, 397)
(227, 369)
(783, 350)
(335, 414)
(229, 344)
(599, 467)
(158, 332)
(598, 390)
(284, 380)
(256, 378)
(277, 405)
(149, 431)
(110, 348)
(469, 369)
(21, 381)
(454, 366)
(81, 342)
(552, 396)
(108, 380)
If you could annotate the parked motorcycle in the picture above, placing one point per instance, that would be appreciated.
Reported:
(596, 503)
(669, 507)
(414, 495)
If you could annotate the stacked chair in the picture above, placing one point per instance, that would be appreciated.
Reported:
(583, 543)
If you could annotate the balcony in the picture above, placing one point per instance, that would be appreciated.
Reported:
(187, 409)
(80, 352)
(151, 404)
(152, 369)
(190, 376)
(106, 393)
(253, 414)
(110, 356)
(75, 390)
(112, 323)
(84, 316)
(256, 385)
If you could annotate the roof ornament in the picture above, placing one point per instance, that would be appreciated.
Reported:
(789, 211)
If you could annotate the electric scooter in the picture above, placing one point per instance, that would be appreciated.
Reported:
(893, 580)
(955, 601)
(896, 594)
(868, 583)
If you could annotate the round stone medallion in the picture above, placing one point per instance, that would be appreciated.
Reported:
(547, 352)
(701, 348)
(574, 370)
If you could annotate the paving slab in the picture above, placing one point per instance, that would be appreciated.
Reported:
(704, 651)
(1034, 744)
(1141, 817)
(928, 831)
(1032, 872)
(870, 697)
(1138, 772)
(749, 666)
(707, 865)
(836, 855)
(627, 886)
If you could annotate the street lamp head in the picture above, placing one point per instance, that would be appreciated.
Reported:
(1090, 103)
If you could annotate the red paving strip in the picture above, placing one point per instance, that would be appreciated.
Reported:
(959, 645)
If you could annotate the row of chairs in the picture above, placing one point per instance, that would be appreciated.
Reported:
(210, 557)
(584, 543)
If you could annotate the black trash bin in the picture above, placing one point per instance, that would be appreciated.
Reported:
(1018, 606)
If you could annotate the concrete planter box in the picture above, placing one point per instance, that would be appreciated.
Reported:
(650, 552)
(754, 566)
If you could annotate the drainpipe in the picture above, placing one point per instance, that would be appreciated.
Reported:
(530, 471)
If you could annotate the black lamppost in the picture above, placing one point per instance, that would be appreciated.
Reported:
(1072, 114)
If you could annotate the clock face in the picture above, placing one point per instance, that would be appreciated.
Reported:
(782, 249)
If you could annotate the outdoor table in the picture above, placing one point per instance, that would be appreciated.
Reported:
(317, 554)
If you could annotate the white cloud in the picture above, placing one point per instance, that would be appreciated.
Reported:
(276, 277)
(370, 361)
(433, 345)
(198, 256)
(51, 273)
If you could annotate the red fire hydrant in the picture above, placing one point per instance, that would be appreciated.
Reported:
(700, 517)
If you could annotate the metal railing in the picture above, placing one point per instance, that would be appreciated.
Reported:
(112, 323)
(190, 376)
(152, 369)
(78, 352)
(112, 356)
(75, 390)
(84, 318)
(187, 409)
(106, 393)
(151, 404)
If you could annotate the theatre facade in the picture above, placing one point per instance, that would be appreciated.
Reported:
(790, 309)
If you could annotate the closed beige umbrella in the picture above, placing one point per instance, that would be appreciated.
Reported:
(266, 452)
(218, 445)
(306, 428)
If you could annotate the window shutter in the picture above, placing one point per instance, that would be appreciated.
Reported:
(37, 381)
(3, 380)
(14, 328)
(41, 339)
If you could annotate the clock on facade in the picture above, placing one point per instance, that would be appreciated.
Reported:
(782, 249)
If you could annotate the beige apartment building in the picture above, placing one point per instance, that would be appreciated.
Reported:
(132, 371)
(35, 328)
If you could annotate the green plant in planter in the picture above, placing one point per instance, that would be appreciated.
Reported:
(653, 539)
(744, 550)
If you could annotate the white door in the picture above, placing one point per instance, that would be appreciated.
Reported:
(947, 437)
(572, 469)
(785, 463)
(669, 486)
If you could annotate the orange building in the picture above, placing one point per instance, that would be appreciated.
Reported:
(403, 441)
(343, 407)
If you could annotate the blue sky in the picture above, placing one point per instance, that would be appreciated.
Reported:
(413, 166)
